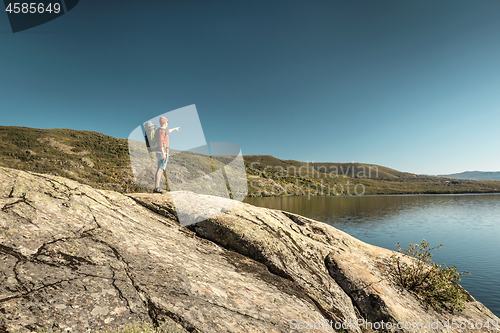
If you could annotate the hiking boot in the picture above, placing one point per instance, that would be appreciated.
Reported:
(159, 190)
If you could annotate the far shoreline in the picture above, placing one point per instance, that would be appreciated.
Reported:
(375, 195)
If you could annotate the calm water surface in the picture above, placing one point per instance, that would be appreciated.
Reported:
(468, 226)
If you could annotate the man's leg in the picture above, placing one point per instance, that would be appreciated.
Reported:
(161, 167)
(158, 175)
(159, 171)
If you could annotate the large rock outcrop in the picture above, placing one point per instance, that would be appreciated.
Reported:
(77, 259)
(347, 279)
(74, 258)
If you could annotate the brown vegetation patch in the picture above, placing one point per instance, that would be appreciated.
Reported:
(61, 146)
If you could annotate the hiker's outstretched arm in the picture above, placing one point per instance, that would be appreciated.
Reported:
(173, 129)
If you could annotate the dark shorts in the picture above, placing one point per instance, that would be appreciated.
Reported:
(161, 163)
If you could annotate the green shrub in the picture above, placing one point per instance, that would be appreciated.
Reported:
(435, 284)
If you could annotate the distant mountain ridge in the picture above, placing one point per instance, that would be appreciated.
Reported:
(474, 175)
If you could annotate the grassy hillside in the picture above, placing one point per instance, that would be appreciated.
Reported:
(88, 157)
(103, 162)
(268, 175)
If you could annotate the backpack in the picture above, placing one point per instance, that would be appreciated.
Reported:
(151, 135)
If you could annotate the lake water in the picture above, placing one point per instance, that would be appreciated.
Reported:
(468, 226)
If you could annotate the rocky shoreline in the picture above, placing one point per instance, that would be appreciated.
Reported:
(73, 258)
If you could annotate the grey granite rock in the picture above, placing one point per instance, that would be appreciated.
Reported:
(77, 259)
(346, 278)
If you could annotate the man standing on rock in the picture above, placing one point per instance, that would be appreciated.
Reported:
(162, 155)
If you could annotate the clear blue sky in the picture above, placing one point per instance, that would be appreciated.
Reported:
(412, 85)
